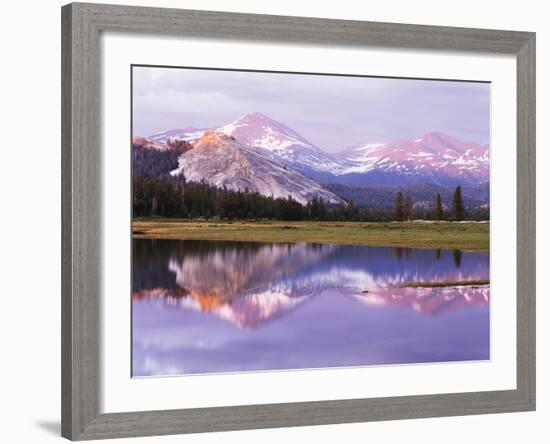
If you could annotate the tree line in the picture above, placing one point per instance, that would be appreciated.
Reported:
(383, 197)
(404, 207)
(174, 197)
(156, 163)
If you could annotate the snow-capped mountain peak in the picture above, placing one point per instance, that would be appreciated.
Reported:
(256, 129)
(281, 143)
(432, 157)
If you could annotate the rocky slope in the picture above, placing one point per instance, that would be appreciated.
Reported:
(222, 161)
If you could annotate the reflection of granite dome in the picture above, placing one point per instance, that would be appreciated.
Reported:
(235, 272)
(249, 284)
(238, 285)
(210, 307)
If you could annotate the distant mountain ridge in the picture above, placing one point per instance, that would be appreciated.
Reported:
(433, 157)
(437, 156)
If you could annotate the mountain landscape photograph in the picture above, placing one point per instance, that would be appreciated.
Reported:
(294, 221)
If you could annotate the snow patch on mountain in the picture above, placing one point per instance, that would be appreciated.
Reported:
(433, 156)
(282, 144)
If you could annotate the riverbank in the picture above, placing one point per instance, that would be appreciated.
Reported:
(470, 236)
(442, 284)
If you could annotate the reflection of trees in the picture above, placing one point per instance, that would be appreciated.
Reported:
(401, 252)
(457, 258)
(248, 284)
(398, 253)
(151, 257)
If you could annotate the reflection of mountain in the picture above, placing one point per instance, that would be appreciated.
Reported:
(237, 284)
(432, 301)
(227, 273)
(253, 310)
(249, 311)
(250, 284)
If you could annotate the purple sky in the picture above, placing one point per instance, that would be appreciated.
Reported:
(332, 112)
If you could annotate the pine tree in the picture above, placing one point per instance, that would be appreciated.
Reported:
(458, 204)
(438, 208)
(352, 212)
(399, 207)
(154, 206)
(322, 209)
(408, 207)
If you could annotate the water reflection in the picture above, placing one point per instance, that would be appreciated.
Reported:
(202, 306)
(457, 258)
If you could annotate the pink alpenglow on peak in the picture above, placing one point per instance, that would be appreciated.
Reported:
(433, 157)
(280, 142)
(432, 154)
(149, 144)
(256, 129)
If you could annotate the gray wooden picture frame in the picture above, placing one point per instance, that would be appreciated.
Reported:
(81, 231)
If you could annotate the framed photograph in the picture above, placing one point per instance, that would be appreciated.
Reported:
(278, 221)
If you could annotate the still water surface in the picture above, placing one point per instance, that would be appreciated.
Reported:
(208, 306)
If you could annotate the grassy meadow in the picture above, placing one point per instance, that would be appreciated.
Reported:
(469, 236)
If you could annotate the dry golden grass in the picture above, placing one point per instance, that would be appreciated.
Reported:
(464, 236)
